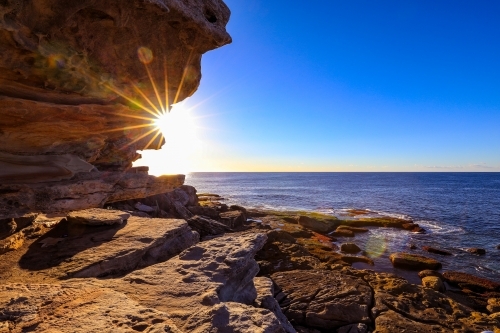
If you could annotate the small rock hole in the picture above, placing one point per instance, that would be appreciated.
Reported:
(210, 16)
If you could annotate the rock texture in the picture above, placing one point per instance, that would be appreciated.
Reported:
(75, 250)
(85, 190)
(81, 83)
(75, 308)
(323, 299)
(209, 285)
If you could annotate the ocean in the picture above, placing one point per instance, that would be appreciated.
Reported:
(458, 210)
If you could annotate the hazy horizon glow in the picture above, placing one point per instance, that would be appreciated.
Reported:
(347, 86)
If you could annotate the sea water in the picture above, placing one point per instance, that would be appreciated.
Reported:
(458, 210)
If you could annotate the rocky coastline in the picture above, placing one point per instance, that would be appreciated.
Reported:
(182, 262)
(89, 243)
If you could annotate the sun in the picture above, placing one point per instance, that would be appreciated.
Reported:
(179, 153)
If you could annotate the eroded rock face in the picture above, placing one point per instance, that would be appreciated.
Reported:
(85, 190)
(81, 83)
(69, 52)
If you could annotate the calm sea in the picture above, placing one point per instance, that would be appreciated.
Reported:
(458, 210)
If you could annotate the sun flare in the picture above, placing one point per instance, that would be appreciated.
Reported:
(181, 146)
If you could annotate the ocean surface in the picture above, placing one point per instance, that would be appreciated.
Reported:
(458, 210)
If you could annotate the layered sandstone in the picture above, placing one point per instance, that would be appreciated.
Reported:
(81, 83)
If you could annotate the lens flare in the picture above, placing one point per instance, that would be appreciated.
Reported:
(145, 55)
(376, 246)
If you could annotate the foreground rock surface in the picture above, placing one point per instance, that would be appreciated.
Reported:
(206, 286)
(75, 308)
(75, 250)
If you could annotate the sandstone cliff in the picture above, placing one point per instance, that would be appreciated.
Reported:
(80, 85)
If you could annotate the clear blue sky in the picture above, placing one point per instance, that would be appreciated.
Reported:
(353, 86)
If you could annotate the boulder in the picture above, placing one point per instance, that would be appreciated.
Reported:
(317, 298)
(97, 216)
(349, 248)
(191, 192)
(413, 261)
(475, 250)
(471, 282)
(318, 225)
(436, 251)
(207, 227)
(76, 250)
(434, 283)
(233, 219)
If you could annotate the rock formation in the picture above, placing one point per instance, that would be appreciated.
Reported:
(81, 83)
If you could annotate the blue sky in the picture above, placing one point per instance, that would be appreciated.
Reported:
(352, 86)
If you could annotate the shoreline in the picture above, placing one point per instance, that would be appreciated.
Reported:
(191, 256)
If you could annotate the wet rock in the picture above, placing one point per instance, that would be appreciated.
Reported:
(199, 287)
(323, 299)
(498, 247)
(342, 233)
(412, 247)
(349, 248)
(78, 308)
(75, 250)
(353, 229)
(207, 227)
(97, 216)
(318, 225)
(436, 251)
(413, 261)
(429, 272)
(434, 283)
(475, 250)
(471, 282)
(265, 299)
(233, 219)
